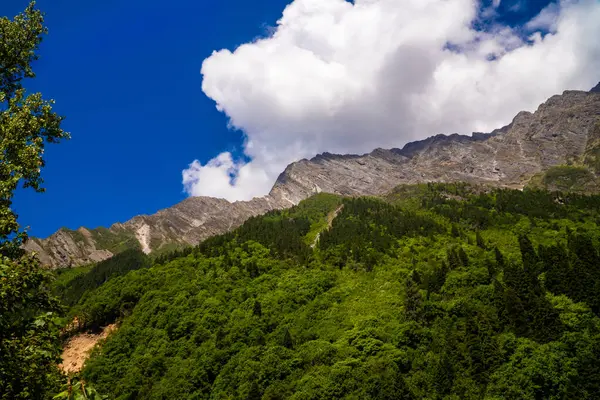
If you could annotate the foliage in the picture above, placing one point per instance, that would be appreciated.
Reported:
(62, 276)
(450, 291)
(29, 347)
(71, 290)
(368, 228)
(27, 122)
(29, 342)
(78, 391)
(566, 178)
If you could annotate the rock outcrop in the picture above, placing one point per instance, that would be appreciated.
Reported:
(188, 222)
(562, 131)
(557, 133)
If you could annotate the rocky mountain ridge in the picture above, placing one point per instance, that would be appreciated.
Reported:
(563, 130)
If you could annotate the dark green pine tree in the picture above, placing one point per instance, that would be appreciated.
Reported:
(545, 320)
(515, 312)
(252, 269)
(416, 277)
(287, 339)
(589, 369)
(454, 231)
(257, 309)
(444, 375)
(527, 308)
(499, 259)
(492, 271)
(498, 301)
(524, 280)
(462, 256)
(413, 302)
(254, 392)
(453, 259)
(529, 256)
(556, 264)
(583, 248)
(479, 240)
(585, 280)
(436, 280)
(482, 347)
(219, 338)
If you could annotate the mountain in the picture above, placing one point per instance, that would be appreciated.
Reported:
(434, 291)
(557, 133)
(556, 147)
(188, 222)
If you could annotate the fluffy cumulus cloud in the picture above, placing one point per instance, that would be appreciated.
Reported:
(349, 77)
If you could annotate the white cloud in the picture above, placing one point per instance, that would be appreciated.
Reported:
(517, 6)
(546, 19)
(346, 78)
(226, 177)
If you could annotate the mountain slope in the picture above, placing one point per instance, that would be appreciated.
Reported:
(561, 131)
(440, 291)
(188, 222)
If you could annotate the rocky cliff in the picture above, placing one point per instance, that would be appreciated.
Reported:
(188, 222)
(557, 133)
(563, 130)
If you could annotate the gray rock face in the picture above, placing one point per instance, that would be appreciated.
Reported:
(188, 222)
(555, 134)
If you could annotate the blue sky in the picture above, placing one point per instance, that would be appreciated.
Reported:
(126, 74)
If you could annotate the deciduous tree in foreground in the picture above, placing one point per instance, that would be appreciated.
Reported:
(29, 345)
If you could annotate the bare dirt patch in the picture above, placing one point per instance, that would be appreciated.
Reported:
(77, 349)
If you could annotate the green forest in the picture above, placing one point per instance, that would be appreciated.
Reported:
(435, 291)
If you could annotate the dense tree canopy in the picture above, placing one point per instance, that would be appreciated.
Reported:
(366, 298)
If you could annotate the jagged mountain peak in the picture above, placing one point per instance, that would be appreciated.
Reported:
(559, 131)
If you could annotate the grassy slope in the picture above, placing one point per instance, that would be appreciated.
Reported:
(567, 179)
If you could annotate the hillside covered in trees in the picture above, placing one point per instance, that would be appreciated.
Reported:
(437, 291)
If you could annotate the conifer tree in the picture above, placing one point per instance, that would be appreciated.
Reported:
(254, 392)
(453, 259)
(416, 277)
(515, 312)
(454, 231)
(558, 270)
(479, 240)
(498, 300)
(492, 271)
(219, 337)
(257, 309)
(499, 259)
(585, 274)
(436, 280)
(287, 339)
(528, 254)
(462, 256)
(413, 302)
